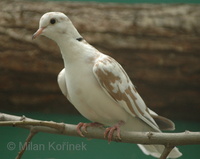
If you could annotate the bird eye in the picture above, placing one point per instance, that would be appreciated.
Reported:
(52, 21)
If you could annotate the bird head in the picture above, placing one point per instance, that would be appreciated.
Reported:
(56, 25)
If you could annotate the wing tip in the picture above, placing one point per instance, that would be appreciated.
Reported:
(164, 123)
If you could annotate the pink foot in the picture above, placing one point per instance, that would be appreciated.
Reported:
(84, 127)
(110, 131)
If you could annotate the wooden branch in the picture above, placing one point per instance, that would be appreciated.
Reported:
(30, 136)
(174, 139)
(166, 152)
(169, 140)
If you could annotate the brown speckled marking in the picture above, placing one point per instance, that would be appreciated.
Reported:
(106, 78)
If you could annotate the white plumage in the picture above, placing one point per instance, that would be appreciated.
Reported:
(98, 86)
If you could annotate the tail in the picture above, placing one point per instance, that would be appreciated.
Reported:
(156, 151)
(161, 123)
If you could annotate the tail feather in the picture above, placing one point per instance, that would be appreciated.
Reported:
(156, 151)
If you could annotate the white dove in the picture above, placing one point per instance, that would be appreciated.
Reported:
(98, 86)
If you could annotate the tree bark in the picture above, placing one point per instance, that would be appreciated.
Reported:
(157, 44)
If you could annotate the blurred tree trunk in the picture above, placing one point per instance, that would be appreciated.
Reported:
(157, 44)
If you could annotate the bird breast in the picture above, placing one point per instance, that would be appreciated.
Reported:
(89, 98)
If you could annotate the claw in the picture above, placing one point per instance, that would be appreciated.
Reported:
(110, 131)
(84, 126)
(78, 129)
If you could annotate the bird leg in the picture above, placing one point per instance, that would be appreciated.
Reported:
(110, 131)
(84, 126)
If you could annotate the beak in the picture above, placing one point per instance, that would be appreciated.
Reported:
(38, 33)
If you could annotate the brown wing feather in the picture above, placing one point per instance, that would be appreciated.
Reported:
(163, 123)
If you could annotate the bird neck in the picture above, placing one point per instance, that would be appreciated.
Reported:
(68, 48)
(76, 50)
